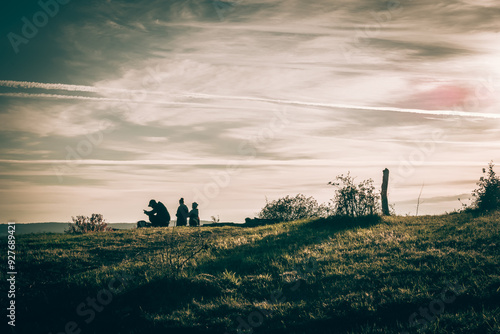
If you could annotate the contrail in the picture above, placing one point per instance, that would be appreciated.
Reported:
(92, 98)
(65, 87)
(80, 88)
(40, 85)
(346, 106)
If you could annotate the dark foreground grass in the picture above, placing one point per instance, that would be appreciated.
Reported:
(438, 274)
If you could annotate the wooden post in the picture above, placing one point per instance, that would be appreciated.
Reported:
(385, 185)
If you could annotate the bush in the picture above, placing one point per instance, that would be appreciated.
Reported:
(291, 208)
(487, 196)
(82, 224)
(355, 200)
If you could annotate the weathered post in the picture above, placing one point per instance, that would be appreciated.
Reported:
(385, 184)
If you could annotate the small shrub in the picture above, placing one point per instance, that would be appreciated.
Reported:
(487, 196)
(83, 224)
(355, 200)
(290, 208)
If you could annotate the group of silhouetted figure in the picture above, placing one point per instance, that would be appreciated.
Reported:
(159, 216)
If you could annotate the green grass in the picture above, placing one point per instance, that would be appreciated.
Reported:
(309, 276)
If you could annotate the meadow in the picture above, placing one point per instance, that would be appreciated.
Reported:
(436, 274)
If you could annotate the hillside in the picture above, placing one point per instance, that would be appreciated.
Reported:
(315, 276)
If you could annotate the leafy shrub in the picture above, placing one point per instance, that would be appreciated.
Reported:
(291, 208)
(83, 224)
(355, 200)
(487, 196)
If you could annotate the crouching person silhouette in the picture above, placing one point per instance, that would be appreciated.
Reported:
(194, 216)
(159, 215)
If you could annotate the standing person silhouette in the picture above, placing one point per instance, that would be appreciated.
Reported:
(159, 215)
(182, 213)
(194, 216)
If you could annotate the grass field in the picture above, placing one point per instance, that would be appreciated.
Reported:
(436, 274)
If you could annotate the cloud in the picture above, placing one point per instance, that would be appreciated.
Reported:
(418, 50)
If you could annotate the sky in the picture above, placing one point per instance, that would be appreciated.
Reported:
(105, 105)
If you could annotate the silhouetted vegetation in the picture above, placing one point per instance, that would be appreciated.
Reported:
(83, 224)
(487, 196)
(350, 200)
(292, 208)
(355, 200)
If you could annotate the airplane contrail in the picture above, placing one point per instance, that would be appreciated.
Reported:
(81, 88)
(94, 98)
(65, 87)
(347, 106)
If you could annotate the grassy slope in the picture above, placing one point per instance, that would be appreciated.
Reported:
(324, 277)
